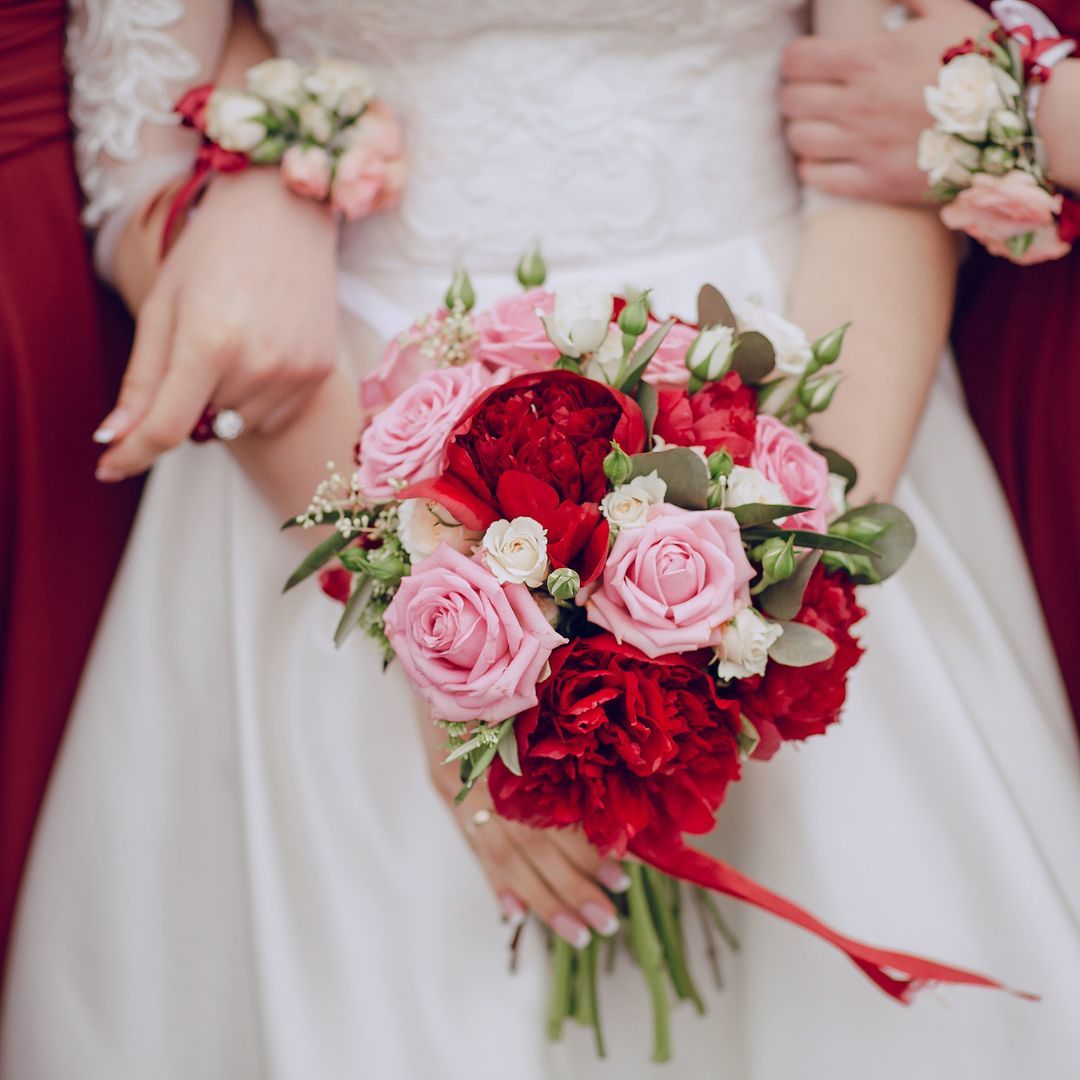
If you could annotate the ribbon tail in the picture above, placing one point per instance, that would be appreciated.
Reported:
(898, 974)
(183, 199)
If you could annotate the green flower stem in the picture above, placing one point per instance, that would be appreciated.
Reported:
(561, 975)
(659, 888)
(588, 987)
(647, 952)
(725, 931)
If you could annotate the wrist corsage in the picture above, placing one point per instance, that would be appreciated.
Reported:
(983, 156)
(334, 140)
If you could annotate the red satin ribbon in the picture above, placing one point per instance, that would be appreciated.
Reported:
(1032, 50)
(898, 974)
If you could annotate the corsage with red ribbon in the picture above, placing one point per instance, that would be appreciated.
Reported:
(983, 156)
(334, 139)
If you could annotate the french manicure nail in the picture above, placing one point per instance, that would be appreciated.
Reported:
(613, 877)
(104, 435)
(513, 910)
(107, 476)
(111, 426)
(600, 918)
(569, 929)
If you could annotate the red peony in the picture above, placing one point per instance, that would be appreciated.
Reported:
(793, 703)
(535, 447)
(722, 415)
(622, 745)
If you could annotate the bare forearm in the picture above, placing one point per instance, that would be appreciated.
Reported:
(1058, 121)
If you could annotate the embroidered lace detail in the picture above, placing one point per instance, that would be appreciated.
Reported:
(125, 66)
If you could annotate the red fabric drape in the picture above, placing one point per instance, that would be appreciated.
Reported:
(62, 346)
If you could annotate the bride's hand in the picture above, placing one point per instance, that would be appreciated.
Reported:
(555, 874)
(242, 314)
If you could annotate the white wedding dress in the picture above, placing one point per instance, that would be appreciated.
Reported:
(242, 872)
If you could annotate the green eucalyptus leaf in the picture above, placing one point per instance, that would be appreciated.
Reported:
(466, 747)
(508, 748)
(893, 545)
(784, 599)
(639, 359)
(753, 357)
(317, 558)
(750, 514)
(838, 464)
(713, 309)
(801, 646)
(354, 607)
(481, 762)
(686, 475)
(804, 538)
(649, 403)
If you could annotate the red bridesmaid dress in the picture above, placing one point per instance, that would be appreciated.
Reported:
(1017, 341)
(61, 533)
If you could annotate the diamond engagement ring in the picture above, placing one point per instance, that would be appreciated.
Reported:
(223, 424)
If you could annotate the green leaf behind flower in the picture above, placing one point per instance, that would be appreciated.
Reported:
(317, 558)
(686, 475)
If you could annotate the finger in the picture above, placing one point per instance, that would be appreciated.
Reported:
(820, 59)
(573, 886)
(930, 7)
(185, 392)
(511, 873)
(144, 373)
(577, 848)
(843, 178)
(813, 101)
(821, 140)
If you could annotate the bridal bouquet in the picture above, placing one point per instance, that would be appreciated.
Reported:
(609, 555)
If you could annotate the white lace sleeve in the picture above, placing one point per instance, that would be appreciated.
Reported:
(130, 60)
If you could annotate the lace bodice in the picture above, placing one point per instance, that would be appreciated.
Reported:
(630, 126)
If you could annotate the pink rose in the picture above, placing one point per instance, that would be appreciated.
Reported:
(405, 442)
(997, 208)
(668, 369)
(670, 585)
(403, 362)
(803, 474)
(370, 175)
(306, 170)
(472, 648)
(512, 335)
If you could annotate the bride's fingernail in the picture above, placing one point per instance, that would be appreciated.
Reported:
(108, 476)
(569, 929)
(613, 878)
(600, 918)
(110, 426)
(513, 910)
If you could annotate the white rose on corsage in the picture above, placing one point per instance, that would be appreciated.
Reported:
(234, 120)
(516, 551)
(341, 86)
(946, 159)
(627, 507)
(969, 90)
(581, 319)
(279, 81)
(744, 647)
(792, 346)
(745, 485)
(424, 525)
(316, 122)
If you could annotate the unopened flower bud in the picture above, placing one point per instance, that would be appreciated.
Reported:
(270, 151)
(709, 355)
(827, 348)
(863, 529)
(531, 269)
(996, 160)
(1006, 124)
(816, 393)
(634, 318)
(563, 584)
(777, 558)
(720, 464)
(617, 465)
(461, 291)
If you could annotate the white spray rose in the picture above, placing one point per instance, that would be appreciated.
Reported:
(792, 346)
(744, 647)
(234, 120)
(745, 485)
(709, 352)
(423, 526)
(279, 81)
(316, 122)
(579, 324)
(969, 90)
(516, 551)
(341, 86)
(628, 505)
(607, 360)
(837, 495)
(947, 159)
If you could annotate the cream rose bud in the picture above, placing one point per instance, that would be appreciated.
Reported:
(628, 505)
(607, 360)
(946, 159)
(745, 485)
(279, 81)
(316, 122)
(969, 90)
(744, 648)
(710, 351)
(580, 321)
(516, 551)
(234, 120)
(341, 86)
(792, 346)
(424, 525)
(837, 495)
